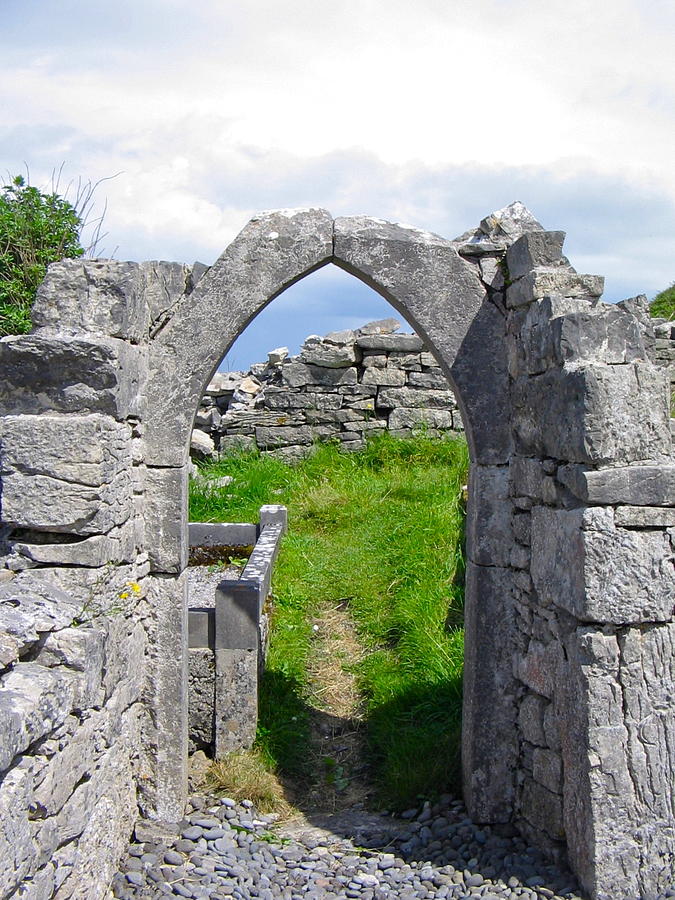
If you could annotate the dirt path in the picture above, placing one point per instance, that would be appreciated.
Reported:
(337, 723)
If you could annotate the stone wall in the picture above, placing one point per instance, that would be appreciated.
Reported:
(343, 386)
(569, 717)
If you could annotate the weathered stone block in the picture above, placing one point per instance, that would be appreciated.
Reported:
(268, 437)
(488, 526)
(75, 375)
(201, 697)
(600, 573)
(534, 249)
(644, 517)
(429, 380)
(119, 545)
(82, 650)
(489, 732)
(331, 357)
(526, 477)
(299, 374)
(410, 343)
(165, 516)
(413, 398)
(236, 703)
(593, 414)
(634, 485)
(542, 281)
(384, 377)
(543, 809)
(33, 701)
(540, 667)
(418, 418)
(547, 769)
(531, 719)
(17, 850)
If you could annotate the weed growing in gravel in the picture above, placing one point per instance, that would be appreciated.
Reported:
(380, 531)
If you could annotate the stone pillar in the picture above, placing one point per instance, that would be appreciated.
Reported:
(593, 485)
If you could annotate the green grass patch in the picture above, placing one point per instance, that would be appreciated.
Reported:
(663, 305)
(380, 530)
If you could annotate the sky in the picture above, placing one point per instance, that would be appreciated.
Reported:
(200, 113)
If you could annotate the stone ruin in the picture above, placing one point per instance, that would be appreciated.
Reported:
(569, 690)
(344, 386)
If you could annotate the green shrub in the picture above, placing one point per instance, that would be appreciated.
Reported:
(36, 229)
(663, 305)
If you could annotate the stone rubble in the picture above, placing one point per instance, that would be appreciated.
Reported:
(228, 850)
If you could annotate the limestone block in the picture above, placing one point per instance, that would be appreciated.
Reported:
(410, 343)
(89, 450)
(165, 515)
(604, 332)
(270, 437)
(33, 701)
(119, 545)
(381, 326)
(106, 816)
(418, 418)
(617, 732)
(635, 485)
(582, 563)
(82, 650)
(49, 504)
(593, 413)
(542, 808)
(526, 476)
(309, 400)
(547, 769)
(201, 444)
(384, 377)
(558, 330)
(540, 667)
(69, 374)
(298, 374)
(429, 380)
(29, 607)
(534, 249)
(236, 705)
(488, 526)
(331, 356)
(400, 360)
(489, 731)
(491, 272)
(201, 693)
(415, 398)
(531, 719)
(378, 360)
(107, 297)
(163, 787)
(546, 280)
(644, 517)
(428, 360)
(18, 852)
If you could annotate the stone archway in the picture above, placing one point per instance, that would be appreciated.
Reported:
(442, 296)
(569, 711)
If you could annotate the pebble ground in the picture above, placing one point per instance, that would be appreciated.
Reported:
(227, 851)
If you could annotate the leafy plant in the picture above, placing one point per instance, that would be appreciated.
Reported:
(36, 229)
(663, 305)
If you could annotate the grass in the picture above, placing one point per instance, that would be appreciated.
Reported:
(245, 775)
(380, 532)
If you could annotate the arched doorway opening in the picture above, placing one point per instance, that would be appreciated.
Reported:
(444, 299)
(364, 668)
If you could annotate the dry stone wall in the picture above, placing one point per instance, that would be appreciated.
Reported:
(569, 716)
(344, 386)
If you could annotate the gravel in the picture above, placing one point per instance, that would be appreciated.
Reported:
(227, 851)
